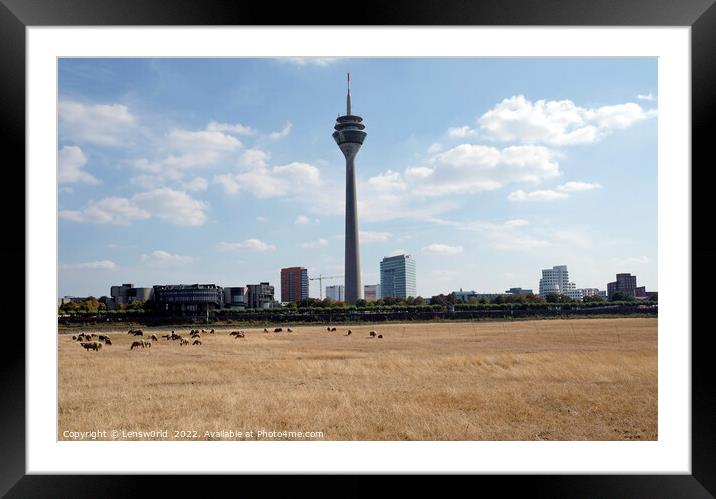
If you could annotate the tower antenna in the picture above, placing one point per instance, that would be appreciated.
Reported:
(348, 99)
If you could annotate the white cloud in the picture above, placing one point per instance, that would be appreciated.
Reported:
(100, 124)
(388, 181)
(398, 252)
(435, 147)
(271, 182)
(99, 265)
(577, 187)
(254, 158)
(254, 245)
(648, 97)
(71, 161)
(543, 195)
(442, 249)
(196, 184)
(469, 168)
(509, 235)
(304, 220)
(560, 192)
(281, 133)
(315, 244)
(198, 148)
(461, 132)
(176, 207)
(372, 237)
(560, 123)
(110, 210)
(160, 259)
(237, 128)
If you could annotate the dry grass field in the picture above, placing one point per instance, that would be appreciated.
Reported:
(582, 379)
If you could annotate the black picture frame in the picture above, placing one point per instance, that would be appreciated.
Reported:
(700, 15)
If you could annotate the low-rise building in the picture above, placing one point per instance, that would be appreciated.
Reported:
(336, 292)
(188, 298)
(260, 295)
(519, 291)
(371, 292)
(236, 296)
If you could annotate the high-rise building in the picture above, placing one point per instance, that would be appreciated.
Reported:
(371, 292)
(349, 136)
(625, 283)
(556, 280)
(294, 284)
(397, 276)
(260, 295)
(336, 292)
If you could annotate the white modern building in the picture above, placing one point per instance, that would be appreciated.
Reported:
(336, 292)
(556, 280)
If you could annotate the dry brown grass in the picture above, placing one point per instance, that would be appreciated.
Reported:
(588, 379)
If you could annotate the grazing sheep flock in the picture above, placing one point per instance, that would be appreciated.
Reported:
(87, 340)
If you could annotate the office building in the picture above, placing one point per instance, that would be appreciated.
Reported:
(349, 136)
(188, 298)
(625, 283)
(397, 277)
(260, 295)
(127, 293)
(518, 291)
(371, 292)
(336, 292)
(554, 280)
(237, 296)
(294, 284)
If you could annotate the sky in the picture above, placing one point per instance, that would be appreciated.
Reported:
(484, 170)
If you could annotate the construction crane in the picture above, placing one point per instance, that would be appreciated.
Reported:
(320, 282)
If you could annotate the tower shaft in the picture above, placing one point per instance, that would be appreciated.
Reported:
(353, 288)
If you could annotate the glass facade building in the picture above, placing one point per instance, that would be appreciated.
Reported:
(397, 276)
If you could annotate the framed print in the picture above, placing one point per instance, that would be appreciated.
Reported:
(394, 298)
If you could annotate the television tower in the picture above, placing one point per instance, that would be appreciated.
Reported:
(349, 136)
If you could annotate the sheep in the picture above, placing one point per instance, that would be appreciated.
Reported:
(154, 337)
(278, 330)
(147, 343)
(165, 336)
(289, 330)
(183, 342)
(93, 345)
(372, 334)
(380, 336)
(333, 329)
(135, 332)
(107, 341)
(137, 344)
(328, 329)
(212, 331)
(265, 330)
(197, 342)
(349, 332)
(238, 334)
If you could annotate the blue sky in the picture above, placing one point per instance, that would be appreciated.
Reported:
(485, 170)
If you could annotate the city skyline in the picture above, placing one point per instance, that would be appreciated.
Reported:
(222, 171)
